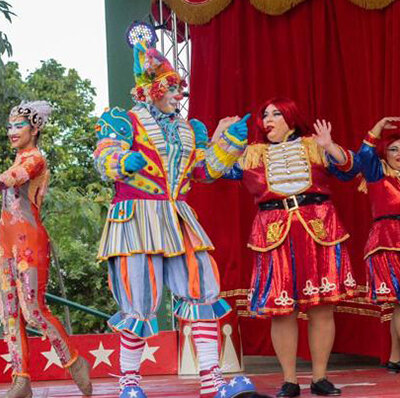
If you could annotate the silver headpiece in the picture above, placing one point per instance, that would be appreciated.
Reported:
(37, 112)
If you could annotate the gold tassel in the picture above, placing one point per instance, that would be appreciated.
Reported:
(197, 14)
(253, 156)
(315, 152)
(372, 4)
(363, 186)
(275, 7)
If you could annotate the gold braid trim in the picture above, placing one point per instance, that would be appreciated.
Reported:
(315, 153)
(275, 7)
(197, 13)
(372, 4)
(253, 156)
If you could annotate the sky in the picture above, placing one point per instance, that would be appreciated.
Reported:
(72, 32)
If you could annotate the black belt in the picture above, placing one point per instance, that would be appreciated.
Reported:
(293, 202)
(388, 217)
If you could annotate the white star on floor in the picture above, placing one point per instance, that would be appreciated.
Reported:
(132, 394)
(52, 358)
(7, 358)
(148, 353)
(102, 355)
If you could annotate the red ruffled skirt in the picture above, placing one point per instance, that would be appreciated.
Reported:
(383, 276)
(300, 274)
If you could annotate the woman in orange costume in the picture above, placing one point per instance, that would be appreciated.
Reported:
(25, 254)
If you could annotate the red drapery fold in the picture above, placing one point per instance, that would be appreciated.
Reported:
(339, 62)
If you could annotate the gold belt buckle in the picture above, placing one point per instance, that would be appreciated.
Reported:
(286, 204)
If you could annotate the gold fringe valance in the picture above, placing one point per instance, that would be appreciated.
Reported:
(372, 4)
(201, 12)
(197, 13)
(275, 7)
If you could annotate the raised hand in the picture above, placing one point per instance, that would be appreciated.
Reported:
(200, 133)
(240, 129)
(385, 123)
(134, 162)
(223, 125)
(322, 134)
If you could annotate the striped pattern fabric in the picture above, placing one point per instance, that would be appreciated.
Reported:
(211, 381)
(152, 227)
(198, 311)
(156, 136)
(139, 327)
(205, 335)
(137, 284)
(131, 349)
(288, 168)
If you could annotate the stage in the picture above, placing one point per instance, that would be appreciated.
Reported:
(361, 383)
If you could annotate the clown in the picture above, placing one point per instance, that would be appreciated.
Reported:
(25, 254)
(300, 258)
(379, 157)
(152, 236)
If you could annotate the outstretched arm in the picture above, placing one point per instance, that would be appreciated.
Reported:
(341, 162)
(222, 154)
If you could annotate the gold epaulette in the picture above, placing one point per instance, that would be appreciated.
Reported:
(252, 156)
(316, 154)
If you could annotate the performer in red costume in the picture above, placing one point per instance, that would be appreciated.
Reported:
(301, 262)
(25, 254)
(379, 159)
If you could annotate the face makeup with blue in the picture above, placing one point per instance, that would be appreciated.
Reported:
(170, 100)
(275, 124)
(20, 133)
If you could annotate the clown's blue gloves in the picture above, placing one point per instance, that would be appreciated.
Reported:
(200, 133)
(134, 162)
(239, 129)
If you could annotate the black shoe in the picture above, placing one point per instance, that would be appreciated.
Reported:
(393, 367)
(324, 387)
(289, 390)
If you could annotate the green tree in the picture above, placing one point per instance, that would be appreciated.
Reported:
(5, 45)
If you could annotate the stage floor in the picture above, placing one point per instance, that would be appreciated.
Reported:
(360, 383)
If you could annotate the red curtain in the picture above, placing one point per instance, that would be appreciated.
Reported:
(339, 62)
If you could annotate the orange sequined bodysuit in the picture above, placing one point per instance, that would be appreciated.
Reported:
(25, 260)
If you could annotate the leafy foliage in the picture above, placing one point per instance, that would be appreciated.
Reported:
(5, 45)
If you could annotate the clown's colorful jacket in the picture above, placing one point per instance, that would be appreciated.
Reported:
(275, 172)
(151, 209)
(383, 185)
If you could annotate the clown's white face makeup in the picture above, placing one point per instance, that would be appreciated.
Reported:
(169, 102)
(275, 124)
(20, 133)
(393, 155)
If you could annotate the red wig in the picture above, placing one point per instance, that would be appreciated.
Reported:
(388, 137)
(290, 112)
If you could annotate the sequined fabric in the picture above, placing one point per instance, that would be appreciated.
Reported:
(25, 260)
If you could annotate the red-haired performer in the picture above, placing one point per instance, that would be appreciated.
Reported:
(300, 259)
(25, 254)
(380, 164)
